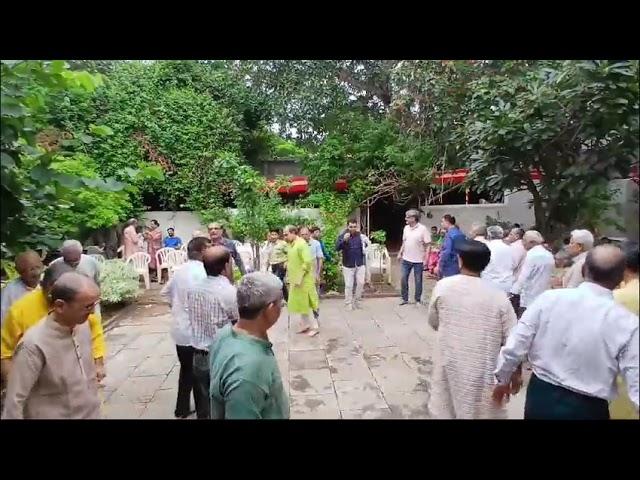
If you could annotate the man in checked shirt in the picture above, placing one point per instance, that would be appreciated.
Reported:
(211, 304)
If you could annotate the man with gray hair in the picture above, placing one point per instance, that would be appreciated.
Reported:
(53, 374)
(415, 240)
(72, 255)
(245, 378)
(535, 275)
(499, 272)
(479, 233)
(580, 243)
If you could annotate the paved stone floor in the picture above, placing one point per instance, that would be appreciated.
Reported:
(373, 363)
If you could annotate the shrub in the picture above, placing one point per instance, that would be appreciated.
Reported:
(379, 236)
(118, 282)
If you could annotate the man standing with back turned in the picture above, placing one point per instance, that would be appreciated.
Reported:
(577, 340)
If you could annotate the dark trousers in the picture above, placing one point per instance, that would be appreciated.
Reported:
(418, 269)
(185, 381)
(280, 271)
(201, 380)
(546, 401)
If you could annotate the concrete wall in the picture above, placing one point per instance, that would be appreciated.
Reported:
(515, 209)
(185, 222)
(624, 210)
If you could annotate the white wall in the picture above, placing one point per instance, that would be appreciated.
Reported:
(515, 209)
(185, 222)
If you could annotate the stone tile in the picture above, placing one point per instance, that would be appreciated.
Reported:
(122, 411)
(140, 389)
(373, 414)
(382, 355)
(307, 359)
(358, 395)
(156, 366)
(147, 341)
(129, 357)
(412, 405)
(422, 365)
(305, 342)
(311, 382)
(320, 407)
(392, 378)
(116, 375)
(349, 368)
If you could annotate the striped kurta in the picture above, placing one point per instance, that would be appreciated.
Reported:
(473, 320)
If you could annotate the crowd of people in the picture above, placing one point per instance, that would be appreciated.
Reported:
(497, 308)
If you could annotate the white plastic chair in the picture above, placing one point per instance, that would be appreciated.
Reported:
(97, 257)
(379, 261)
(176, 259)
(166, 259)
(140, 262)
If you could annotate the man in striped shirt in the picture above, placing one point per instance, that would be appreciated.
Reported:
(211, 304)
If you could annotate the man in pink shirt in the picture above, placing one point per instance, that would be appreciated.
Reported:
(415, 240)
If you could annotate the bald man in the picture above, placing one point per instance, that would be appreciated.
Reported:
(53, 374)
(211, 304)
(29, 266)
(577, 340)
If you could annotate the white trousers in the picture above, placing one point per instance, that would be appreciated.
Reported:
(353, 275)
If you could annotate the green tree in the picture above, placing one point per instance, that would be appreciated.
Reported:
(576, 123)
(32, 188)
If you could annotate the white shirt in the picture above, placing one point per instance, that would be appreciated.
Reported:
(415, 241)
(573, 277)
(211, 304)
(519, 253)
(576, 338)
(176, 289)
(13, 291)
(535, 275)
(499, 272)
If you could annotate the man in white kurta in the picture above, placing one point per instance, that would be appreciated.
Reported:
(473, 320)
(53, 374)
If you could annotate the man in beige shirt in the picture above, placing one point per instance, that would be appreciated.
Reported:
(53, 374)
(415, 240)
(581, 242)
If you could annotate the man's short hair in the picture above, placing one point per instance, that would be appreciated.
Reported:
(518, 232)
(475, 255)
(583, 237)
(291, 229)
(275, 230)
(197, 245)
(53, 272)
(631, 255)
(314, 228)
(171, 228)
(71, 246)
(352, 220)
(413, 213)
(450, 219)
(255, 292)
(68, 285)
(215, 266)
(533, 236)
(606, 270)
(479, 229)
(495, 232)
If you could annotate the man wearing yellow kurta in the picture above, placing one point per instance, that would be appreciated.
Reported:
(33, 307)
(303, 296)
(628, 295)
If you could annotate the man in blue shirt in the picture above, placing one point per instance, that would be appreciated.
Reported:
(352, 245)
(448, 265)
(172, 241)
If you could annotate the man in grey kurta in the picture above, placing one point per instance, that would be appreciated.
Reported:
(245, 379)
(29, 267)
(72, 255)
(53, 374)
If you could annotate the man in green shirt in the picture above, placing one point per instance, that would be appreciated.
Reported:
(245, 379)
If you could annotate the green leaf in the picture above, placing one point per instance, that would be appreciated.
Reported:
(101, 130)
(86, 138)
(7, 161)
(14, 110)
(58, 66)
